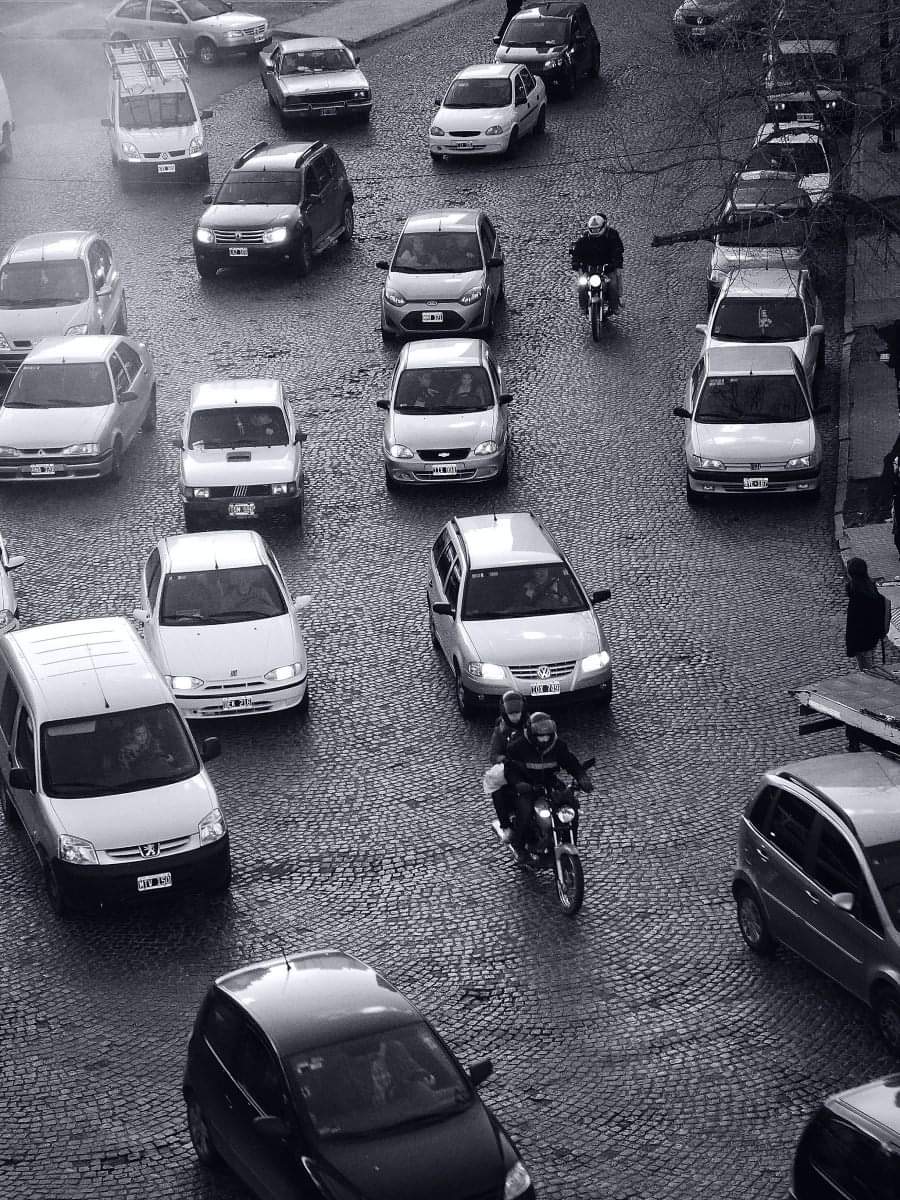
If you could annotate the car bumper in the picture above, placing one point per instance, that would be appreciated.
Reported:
(482, 144)
(174, 168)
(241, 510)
(238, 702)
(701, 35)
(805, 112)
(240, 255)
(415, 472)
(321, 108)
(243, 45)
(451, 317)
(596, 686)
(205, 868)
(738, 482)
(47, 469)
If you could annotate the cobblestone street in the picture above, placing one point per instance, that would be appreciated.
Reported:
(640, 1050)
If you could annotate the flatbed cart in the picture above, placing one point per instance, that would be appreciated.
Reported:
(865, 703)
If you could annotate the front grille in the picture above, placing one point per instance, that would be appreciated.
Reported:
(465, 133)
(168, 154)
(133, 853)
(452, 320)
(232, 685)
(238, 237)
(556, 670)
(452, 455)
(324, 98)
(253, 31)
(239, 491)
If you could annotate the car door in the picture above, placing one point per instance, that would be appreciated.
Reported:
(330, 189)
(211, 1059)
(105, 284)
(520, 104)
(490, 245)
(315, 209)
(502, 418)
(165, 19)
(443, 559)
(127, 415)
(26, 800)
(813, 312)
(131, 18)
(270, 72)
(139, 384)
(533, 96)
(151, 582)
(9, 706)
(788, 833)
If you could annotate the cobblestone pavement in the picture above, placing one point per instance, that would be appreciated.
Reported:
(639, 1050)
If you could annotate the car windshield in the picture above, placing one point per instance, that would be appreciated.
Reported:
(199, 10)
(884, 862)
(773, 320)
(536, 590)
(220, 597)
(537, 31)
(260, 187)
(443, 390)
(807, 70)
(798, 158)
(229, 428)
(60, 385)
(478, 93)
(314, 62)
(43, 284)
(438, 253)
(368, 1086)
(764, 228)
(751, 400)
(116, 752)
(161, 111)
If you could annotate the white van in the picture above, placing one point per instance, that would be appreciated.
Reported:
(100, 768)
(7, 124)
(155, 128)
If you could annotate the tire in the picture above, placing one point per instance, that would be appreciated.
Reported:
(432, 632)
(388, 336)
(540, 125)
(286, 121)
(571, 82)
(205, 269)
(886, 1007)
(55, 893)
(119, 36)
(200, 1136)
(711, 295)
(148, 425)
(570, 888)
(303, 706)
(488, 332)
(752, 923)
(512, 146)
(302, 259)
(206, 52)
(296, 513)
(501, 479)
(270, 98)
(820, 357)
(121, 325)
(348, 224)
(202, 176)
(391, 484)
(6, 145)
(10, 816)
(596, 322)
(463, 702)
(115, 470)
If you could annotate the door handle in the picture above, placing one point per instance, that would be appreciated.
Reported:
(228, 1101)
(762, 854)
(812, 897)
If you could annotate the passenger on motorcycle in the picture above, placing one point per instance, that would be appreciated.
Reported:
(534, 762)
(600, 246)
(510, 726)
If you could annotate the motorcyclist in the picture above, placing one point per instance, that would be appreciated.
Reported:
(535, 761)
(600, 246)
(509, 727)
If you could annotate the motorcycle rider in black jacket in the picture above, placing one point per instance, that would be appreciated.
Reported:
(535, 761)
(509, 726)
(600, 246)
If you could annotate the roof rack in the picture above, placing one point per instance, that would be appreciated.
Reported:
(137, 65)
(248, 154)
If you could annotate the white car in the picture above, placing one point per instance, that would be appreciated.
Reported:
(9, 605)
(221, 626)
(767, 307)
(488, 109)
(798, 150)
(206, 28)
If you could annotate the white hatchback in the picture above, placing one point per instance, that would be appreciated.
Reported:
(799, 150)
(221, 626)
(487, 110)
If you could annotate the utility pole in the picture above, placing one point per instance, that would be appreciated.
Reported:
(888, 137)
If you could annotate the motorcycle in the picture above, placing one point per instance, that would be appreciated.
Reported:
(595, 286)
(553, 841)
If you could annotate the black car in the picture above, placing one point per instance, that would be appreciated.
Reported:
(850, 1149)
(556, 41)
(278, 204)
(312, 1076)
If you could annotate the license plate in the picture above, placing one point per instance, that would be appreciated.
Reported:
(329, 111)
(259, 37)
(238, 702)
(242, 510)
(150, 883)
(752, 482)
(545, 689)
(165, 168)
(42, 469)
(804, 116)
(444, 469)
(463, 145)
(432, 318)
(237, 251)
(698, 32)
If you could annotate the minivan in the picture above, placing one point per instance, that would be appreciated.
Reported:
(100, 769)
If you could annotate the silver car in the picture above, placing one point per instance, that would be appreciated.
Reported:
(508, 612)
(74, 407)
(446, 416)
(206, 28)
(314, 77)
(9, 605)
(446, 275)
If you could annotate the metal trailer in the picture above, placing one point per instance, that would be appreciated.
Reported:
(864, 703)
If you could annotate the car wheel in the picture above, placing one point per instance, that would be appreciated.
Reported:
(297, 512)
(463, 699)
(711, 294)
(6, 144)
(270, 98)
(202, 175)
(693, 498)
(347, 223)
(512, 145)
(121, 325)
(207, 52)
(200, 1136)
(432, 632)
(388, 335)
(119, 36)
(752, 923)
(569, 85)
(206, 269)
(488, 332)
(148, 425)
(435, 156)
(501, 479)
(820, 357)
(286, 121)
(55, 894)
(10, 816)
(886, 1006)
(303, 255)
(540, 125)
(115, 470)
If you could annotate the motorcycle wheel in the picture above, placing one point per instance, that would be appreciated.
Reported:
(597, 320)
(569, 882)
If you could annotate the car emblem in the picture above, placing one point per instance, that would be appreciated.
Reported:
(165, 154)
(543, 672)
(39, 453)
(755, 466)
(432, 303)
(149, 850)
(233, 672)
(237, 235)
(443, 453)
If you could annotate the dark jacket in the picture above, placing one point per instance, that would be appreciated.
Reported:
(597, 250)
(526, 764)
(865, 617)
(890, 335)
(502, 736)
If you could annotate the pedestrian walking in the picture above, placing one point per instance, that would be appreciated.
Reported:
(512, 7)
(868, 615)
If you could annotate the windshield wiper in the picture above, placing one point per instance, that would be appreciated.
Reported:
(237, 614)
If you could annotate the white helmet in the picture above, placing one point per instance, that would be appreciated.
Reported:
(597, 224)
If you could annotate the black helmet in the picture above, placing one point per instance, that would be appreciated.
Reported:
(512, 707)
(541, 731)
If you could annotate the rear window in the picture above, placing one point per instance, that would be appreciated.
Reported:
(764, 228)
(748, 320)
(751, 400)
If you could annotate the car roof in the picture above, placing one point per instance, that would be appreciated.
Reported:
(86, 348)
(41, 247)
(772, 282)
(494, 70)
(217, 550)
(225, 393)
(286, 156)
(311, 43)
(442, 220)
(315, 999)
(548, 9)
(505, 540)
(444, 352)
(879, 1101)
(751, 360)
(864, 787)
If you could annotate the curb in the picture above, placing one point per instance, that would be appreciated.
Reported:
(843, 466)
(400, 27)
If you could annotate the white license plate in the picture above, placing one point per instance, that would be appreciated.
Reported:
(432, 318)
(698, 31)
(463, 145)
(804, 116)
(444, 469)
(545, 689)
(150, 883)
(238, 702)
(165, 168)
(237, 251)
(755, 482)
(329, 111)
(259, 37)
(242, 510)
(42, 469)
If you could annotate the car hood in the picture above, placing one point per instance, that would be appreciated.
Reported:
(526, 54)
(211, 468)
(449, 286)
(471, 118)
(242, 650)
(714, 343)
(230, 20)
(34, 428)
(130, 818)
(726, 258)
(248, 216)
(31, 324)
(451, 430)
(329, 81)
(460, 1156)
(152, 141)
(520, 640)
(762, 443)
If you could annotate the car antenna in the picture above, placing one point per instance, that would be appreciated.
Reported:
(97, 675)
(287, 961)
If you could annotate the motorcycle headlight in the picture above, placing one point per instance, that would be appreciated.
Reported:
(595, 280)
(10, 452)
(472, 296)
(494, 130)
(204, 235)
(595, 662)
(393, 297)
(283, 489)
(487, 671)
(200, 493)
(488, 447)
(275, 236)
(436, 131)
(582, 280)
(196, 145)
(279, 674)
(565, 814)
(130, 150)
(803, 461)
(831, 103)
(212, 827)
(77, 850)
(517, 1181)
(184, 683)
(396, 451)
(707, 464)
(82, 448)
(76, 330)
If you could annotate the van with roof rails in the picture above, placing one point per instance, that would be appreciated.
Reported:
(100, 769)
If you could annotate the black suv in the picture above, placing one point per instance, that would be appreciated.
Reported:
(277, 204)
(850, 1150)
(556, 41)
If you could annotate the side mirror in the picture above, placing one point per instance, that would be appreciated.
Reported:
(480, 1071)
(385, 404)
(300, 438)
(21, 779)
(357, 59)
(702, 327)
(680, 411)
(210, 748)
(140, 614)
(382, 265)
(127, 397)
(178, 443)
(844, 900)
(14, 560)
(600, 596)
(206, 114)
(106, 123)
(207, 199)
(816, 329)
(496, 261)
(273, 1129)
(496, 39)
(301, 602)
(437, 102)
(442, 608)
(506, 398)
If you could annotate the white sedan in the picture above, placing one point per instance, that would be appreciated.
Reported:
(221, 625)
(488, 109)
(9, 608)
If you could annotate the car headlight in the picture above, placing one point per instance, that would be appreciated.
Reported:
(76, 330)
(472, 296)
(707, 464)
(7, 617)
(517, 1181)
(436, 131)
(283, 489)
(595, 662)
(195, 146)
(493, 130)
(489, 447)
(205, 235)
(10, 452)
(779, 105)
(279, 674)
(804, 460)
(81, 448)
(831, 103)
(397, 451)
(393, 297)
(212, 827)
(554, 60)
(487, 671)
(130, 150)
(183, 683)
(4, 342)
(199, 493)
(276, 235)
(77, 850)
(232, 35)
(361, 94)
